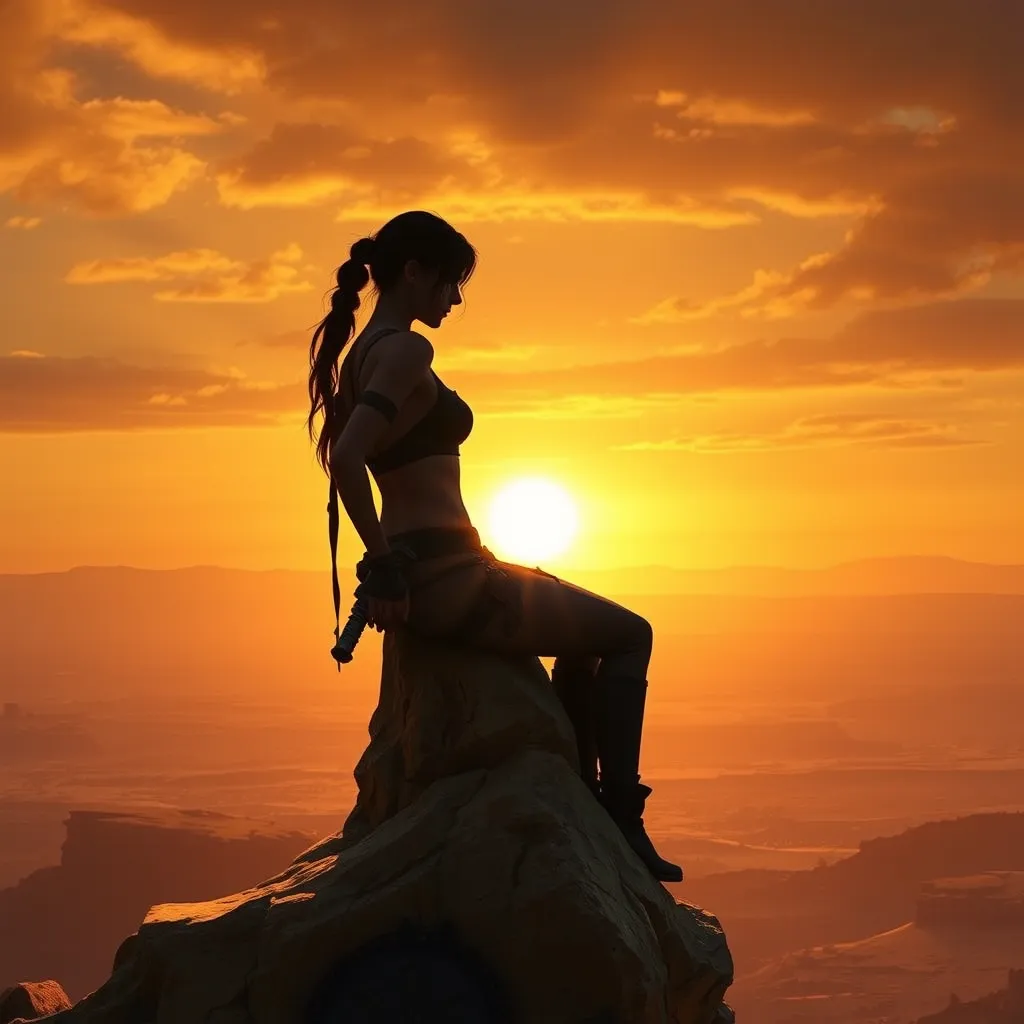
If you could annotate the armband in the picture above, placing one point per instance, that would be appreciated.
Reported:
(380, 402)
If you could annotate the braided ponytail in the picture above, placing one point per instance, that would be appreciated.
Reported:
(413, 235)
(333, 333)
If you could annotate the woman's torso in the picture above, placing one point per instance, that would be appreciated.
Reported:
(424, 492)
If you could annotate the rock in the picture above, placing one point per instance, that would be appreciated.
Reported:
(66, 921)
(994, 899)
(1003, 1007)
(476, 879)
(30, 1000)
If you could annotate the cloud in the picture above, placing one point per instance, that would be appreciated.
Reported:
(202, 275)
(47, 394)
(107, 155)
(934, 239)
(908, 126)
(217, 66)
(579, 406)
(307, 162)
(825, 431)
(369, 177)
(20, 223)
(935, 346)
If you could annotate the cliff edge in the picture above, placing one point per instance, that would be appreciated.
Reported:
(476, 879)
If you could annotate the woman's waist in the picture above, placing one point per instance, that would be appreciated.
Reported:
(438, 541)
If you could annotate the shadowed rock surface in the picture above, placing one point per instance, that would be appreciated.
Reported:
(476, 879)
(30, 1000)
(994, 899)
(1003, 1007)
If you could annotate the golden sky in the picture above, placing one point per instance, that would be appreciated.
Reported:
(750, 278)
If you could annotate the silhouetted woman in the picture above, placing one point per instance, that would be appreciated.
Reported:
(387, 410)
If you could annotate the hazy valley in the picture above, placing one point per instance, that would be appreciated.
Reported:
(782, 734)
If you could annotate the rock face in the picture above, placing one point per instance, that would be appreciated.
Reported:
(994, 899)
(66, 921)
(29, 1000)
(1003, 1007)
(476, 879)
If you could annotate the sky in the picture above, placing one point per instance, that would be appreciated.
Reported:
(749, 285)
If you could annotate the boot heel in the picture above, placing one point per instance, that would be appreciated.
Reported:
(626, 809)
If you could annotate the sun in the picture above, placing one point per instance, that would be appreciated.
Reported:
(533, 518)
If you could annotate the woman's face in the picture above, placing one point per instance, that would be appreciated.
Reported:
(448, 295)
(433, 302)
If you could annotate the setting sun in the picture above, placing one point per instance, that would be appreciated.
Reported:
(533, 518)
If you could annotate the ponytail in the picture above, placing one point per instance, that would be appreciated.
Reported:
(333, 332)
(413, 235)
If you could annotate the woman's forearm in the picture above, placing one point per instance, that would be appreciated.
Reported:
(353, 484)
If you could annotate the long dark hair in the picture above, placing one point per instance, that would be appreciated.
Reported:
(414, 235)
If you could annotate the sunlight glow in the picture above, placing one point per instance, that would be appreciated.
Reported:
(533, 518)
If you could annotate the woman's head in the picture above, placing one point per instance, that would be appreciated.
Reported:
(418, 264)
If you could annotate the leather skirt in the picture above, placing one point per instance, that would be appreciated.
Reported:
(458, 589)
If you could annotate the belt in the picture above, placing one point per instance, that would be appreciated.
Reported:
(437, 541)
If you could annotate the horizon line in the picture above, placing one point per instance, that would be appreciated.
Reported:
(661, 567)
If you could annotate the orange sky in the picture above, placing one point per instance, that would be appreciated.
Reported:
(749, 281)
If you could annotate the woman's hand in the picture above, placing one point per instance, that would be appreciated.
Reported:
(382, 614)
(382, 583)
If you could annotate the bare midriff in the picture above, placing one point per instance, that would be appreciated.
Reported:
(423, 493)
(419, 494)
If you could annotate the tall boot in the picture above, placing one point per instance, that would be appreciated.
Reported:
(619, 725)
(574, 684)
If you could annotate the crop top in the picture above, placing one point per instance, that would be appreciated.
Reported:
(439, 432)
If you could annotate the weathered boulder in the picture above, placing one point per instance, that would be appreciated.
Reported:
(30, 1000)
(476, 879)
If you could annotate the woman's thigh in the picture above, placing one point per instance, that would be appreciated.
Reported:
(528, 611)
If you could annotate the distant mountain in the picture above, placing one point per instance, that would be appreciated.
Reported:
(66, 922)
(873, 891)
(1003, 1007)
(848, 942)
(105, 630)
(896, 976)
(966, 931)
(911, 574)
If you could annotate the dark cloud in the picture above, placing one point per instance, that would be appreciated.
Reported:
(306, 162)
(908, 114)
(45, 394)
(516, 61)
(897, 349)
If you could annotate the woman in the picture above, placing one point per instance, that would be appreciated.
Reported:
(386, 410)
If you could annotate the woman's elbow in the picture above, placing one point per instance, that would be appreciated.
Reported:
(343, 459)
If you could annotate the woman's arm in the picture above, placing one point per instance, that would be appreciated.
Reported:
(353, 483)
(404, 358)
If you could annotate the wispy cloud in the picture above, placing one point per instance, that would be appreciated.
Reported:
(47, 394)
(203, 275)
(19, 223)
(823, 431)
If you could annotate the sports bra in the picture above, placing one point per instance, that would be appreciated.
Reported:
(439, 432)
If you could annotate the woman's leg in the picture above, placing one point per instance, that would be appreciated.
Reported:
(572, 678)
(517, 610)
(533, 612)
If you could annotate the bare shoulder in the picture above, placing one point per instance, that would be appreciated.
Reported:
(408, 347)
(398, 362)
